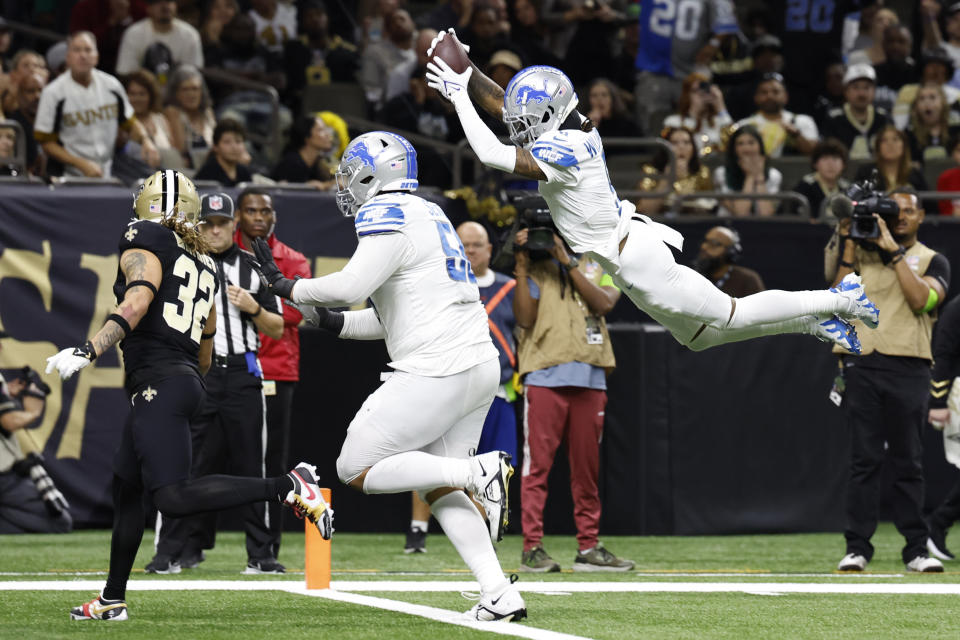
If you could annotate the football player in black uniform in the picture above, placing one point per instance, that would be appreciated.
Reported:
(165, 322)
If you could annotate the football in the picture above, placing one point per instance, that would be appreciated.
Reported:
(452, 52)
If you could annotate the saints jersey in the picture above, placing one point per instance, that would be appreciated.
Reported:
(169, 334)
(430, 310)
(582, 201)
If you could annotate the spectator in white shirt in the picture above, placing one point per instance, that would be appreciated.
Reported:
(161, 25)
(81, 112)
(783, 132)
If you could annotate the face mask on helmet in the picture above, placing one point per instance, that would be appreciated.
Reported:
(167, 194)
(537, 100)
(372, 163)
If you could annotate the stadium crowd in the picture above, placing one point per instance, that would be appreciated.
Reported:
(752, 97)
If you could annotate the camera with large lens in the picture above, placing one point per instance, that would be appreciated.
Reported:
(862, 200)
(540, 229)
(534, 216)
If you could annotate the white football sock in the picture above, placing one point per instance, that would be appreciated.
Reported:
(775, 306)
(711, 337)
(416, 471)
(419, 524)
(469, 535)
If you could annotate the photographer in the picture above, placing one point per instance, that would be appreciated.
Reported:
(564, 354)
(885, 395)
(29, 501)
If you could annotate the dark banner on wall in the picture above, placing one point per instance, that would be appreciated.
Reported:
(733, 439)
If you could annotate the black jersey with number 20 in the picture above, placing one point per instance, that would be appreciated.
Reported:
(167, 338)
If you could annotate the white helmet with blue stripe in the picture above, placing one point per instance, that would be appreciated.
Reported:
(371, 163)
(537, 100)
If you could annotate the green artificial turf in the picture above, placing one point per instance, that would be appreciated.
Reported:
(271, 614)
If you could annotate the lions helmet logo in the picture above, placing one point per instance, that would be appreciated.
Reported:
(359, 151)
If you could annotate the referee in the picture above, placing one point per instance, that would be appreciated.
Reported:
(230, 431)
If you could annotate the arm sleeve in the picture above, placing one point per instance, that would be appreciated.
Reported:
(377, 257)
(946, 354)
(939, 268)
(484, 143)
(362, 325)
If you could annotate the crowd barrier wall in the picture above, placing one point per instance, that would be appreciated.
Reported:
(740, 438)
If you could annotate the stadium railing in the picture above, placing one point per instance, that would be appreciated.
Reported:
(803, 205)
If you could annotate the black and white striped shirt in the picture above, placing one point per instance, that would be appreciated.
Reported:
(236, 332)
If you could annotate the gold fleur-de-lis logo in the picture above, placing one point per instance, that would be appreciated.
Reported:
(149, 394)
(131, 234)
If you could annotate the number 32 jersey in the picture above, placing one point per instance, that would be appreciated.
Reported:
(430, 310)
(167, 338)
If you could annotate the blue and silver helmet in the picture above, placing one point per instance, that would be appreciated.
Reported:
(371, 163)
(537, 100)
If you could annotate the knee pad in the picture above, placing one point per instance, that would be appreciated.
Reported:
(348, 467)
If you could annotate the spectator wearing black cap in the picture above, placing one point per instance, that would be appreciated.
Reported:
(767, 54)
(857, 122)
(230, 432)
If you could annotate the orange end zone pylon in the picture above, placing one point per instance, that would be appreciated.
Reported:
(317, 554)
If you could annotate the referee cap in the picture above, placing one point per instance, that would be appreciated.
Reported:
(216, 205)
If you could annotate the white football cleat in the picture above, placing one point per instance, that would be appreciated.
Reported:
(307, 501)
(860, 306)
(490, 477)
(852, 562)
(506, 607)
(925, 564)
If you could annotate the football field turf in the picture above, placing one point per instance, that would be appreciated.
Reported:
(772, 586)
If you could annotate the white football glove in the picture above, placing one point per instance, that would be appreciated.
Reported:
(71, 360)
(437, 38)
(450, 84)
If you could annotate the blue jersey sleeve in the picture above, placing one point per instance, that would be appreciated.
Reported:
(379, 217)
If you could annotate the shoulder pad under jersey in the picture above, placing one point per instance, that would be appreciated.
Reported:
(383, 214)
(566, 147)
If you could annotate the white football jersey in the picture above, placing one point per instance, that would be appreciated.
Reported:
(582, 201)
(433, 321)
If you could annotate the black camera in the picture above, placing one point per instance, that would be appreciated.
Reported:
(859, 203)
(540, 229)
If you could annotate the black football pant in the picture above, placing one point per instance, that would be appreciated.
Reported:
(279, 407)
(948, 511)
(886, 411)
(155, 454)
(228, 436)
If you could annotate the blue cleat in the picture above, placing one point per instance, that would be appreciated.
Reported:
(860, 306)
(838, 331)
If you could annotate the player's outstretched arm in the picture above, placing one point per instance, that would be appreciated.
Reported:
(485, 92)
(489, 149)
(143, 274)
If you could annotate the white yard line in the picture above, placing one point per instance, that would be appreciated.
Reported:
(437, 586)
(442, 615)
